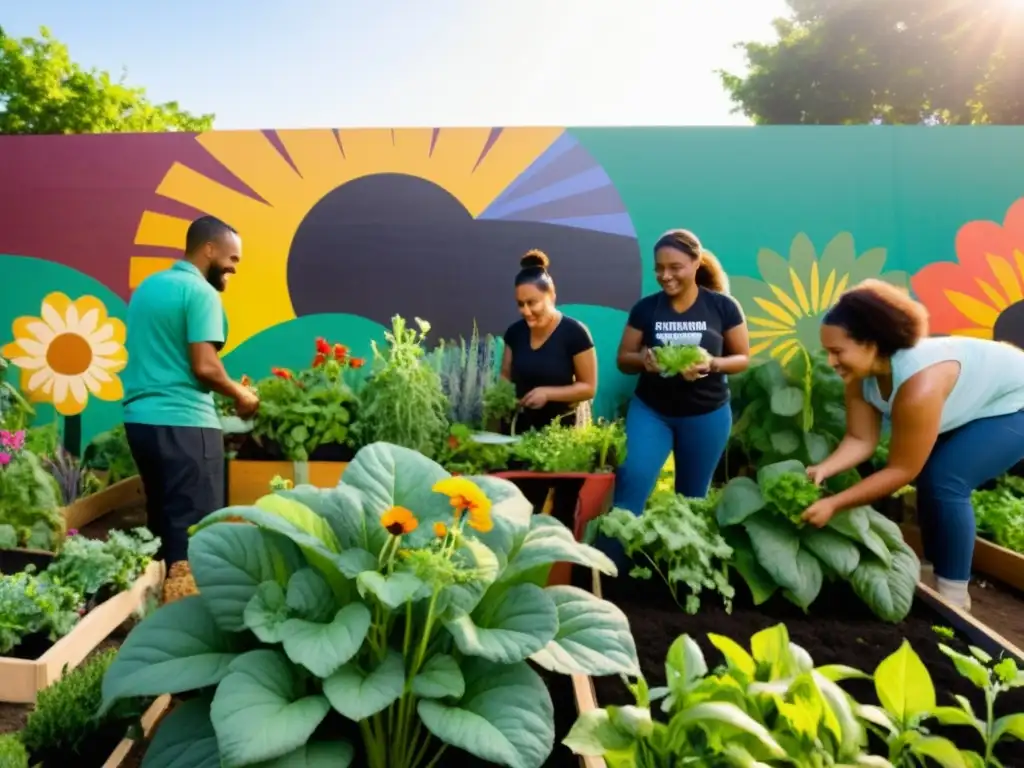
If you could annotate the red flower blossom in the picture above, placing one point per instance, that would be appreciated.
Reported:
(282, 373)
(453, 442)
(319, 359)
(340, 352)
(322, 346)
(356, 362)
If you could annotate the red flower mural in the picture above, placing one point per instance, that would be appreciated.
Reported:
(982, 293)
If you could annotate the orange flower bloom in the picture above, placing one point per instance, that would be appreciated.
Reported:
(319, 359)
(322, 347)
(399, 521)
(356, 362)
(453, 441)
(340, 352)
(466, 496)
(980, 294)
(440, 530)
(282, 373)
(246, 381)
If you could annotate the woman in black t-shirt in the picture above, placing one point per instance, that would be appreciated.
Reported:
(548, 356)
(551, 360)
(687, 415)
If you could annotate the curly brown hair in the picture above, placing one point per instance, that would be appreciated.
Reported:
(710, 273)
(880, 313)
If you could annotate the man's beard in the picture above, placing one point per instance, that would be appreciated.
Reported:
(215, 277)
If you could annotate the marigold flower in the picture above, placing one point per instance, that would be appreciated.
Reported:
(440, 530)
(399, 521)
(467, 496)
(282, 373)
(246, 381)
(322, 347)
(340, 352)
(356, 362)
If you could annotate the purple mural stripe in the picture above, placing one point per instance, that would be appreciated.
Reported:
(433, 141)
(602, 201)
(612, 223)
(587, 181)
(337, 138)
(571, 163)
(562, 144)
(275, 140)
(492, 139)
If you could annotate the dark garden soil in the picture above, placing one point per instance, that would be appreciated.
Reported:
(839, 630)
(94, 753)
(121, 519)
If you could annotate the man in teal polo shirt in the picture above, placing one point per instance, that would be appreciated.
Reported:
(176, 326)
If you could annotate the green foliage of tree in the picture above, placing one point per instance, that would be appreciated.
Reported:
(842, 62)
(42, 91)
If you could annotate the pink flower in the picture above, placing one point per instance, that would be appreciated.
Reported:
(5, 459)
(15, 441)
(72, 532)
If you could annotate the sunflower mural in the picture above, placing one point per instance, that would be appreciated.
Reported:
(71, 351)
(785, 306)
(981, 294)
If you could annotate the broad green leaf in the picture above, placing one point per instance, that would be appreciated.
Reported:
(309, 596)
(302, 517)
(771, 649)
(684, 664)
(762, 586)
(831, 548)
(594, 735)
(592, 636)
(886, 529)
(955, 716)
(267, 612)
(316, 754)
(787, 401)
(177, 648)
(889, 592)
(260, 710)
(458, 599)
(776, 544)
(393, 591)
(522, 622)
(839, 672)
(740, 499)
(724, 714)
(358, 695)
(632, 720)
(343, 509)
(770, 472)
(324, 648)
(785, 442)
(549, 541)
(968, 667)
(856, 524)
(229, 562)
(506, 715)
(735, 655)
(816, 446)
(903, 684)
(439, 678)
(185, 738)
(941, 750)
(1009, 725)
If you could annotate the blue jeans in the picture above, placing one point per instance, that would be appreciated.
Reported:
(962, 460)
(697, 443)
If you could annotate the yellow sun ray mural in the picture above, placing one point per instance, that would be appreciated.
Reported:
(464, 162)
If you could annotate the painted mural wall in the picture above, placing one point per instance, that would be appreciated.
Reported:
(343, 229)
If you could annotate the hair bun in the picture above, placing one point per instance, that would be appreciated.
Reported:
(535, 260)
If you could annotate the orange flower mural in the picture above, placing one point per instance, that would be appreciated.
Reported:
(982, 293)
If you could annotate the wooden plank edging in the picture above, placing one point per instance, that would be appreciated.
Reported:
(85, 510)
(583, 687)
(150, 718)
(990, 559)
(24, 678)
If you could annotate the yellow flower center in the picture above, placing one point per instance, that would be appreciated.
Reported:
(69, 355)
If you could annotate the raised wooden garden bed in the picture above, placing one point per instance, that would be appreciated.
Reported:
(817, 633)
(990, 559)
(150, 719)
(249, 480)
(24, 678)
(120, 494)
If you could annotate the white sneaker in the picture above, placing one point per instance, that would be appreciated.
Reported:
(955, 592)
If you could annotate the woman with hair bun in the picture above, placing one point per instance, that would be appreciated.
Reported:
(548, 356)
(955, 405)
(551, 360)
(687, 415)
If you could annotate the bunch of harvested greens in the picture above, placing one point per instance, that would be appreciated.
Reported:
(673, 359)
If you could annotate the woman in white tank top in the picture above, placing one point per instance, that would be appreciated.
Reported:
(955, 404)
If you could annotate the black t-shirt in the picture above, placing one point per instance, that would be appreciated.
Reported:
(549, 366)
(711, 315)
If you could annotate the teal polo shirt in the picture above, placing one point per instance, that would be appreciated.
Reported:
(167, 312)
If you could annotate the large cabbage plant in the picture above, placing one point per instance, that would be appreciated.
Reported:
(378, 623)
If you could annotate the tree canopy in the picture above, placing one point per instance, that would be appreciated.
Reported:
(841, 62)
(43, 91)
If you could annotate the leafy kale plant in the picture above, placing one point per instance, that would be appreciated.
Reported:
(405, 601)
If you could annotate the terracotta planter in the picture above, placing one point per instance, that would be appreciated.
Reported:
(249, 480)
(24, 678)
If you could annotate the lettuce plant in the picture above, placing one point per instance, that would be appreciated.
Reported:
(406, 600)
(772, 552)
